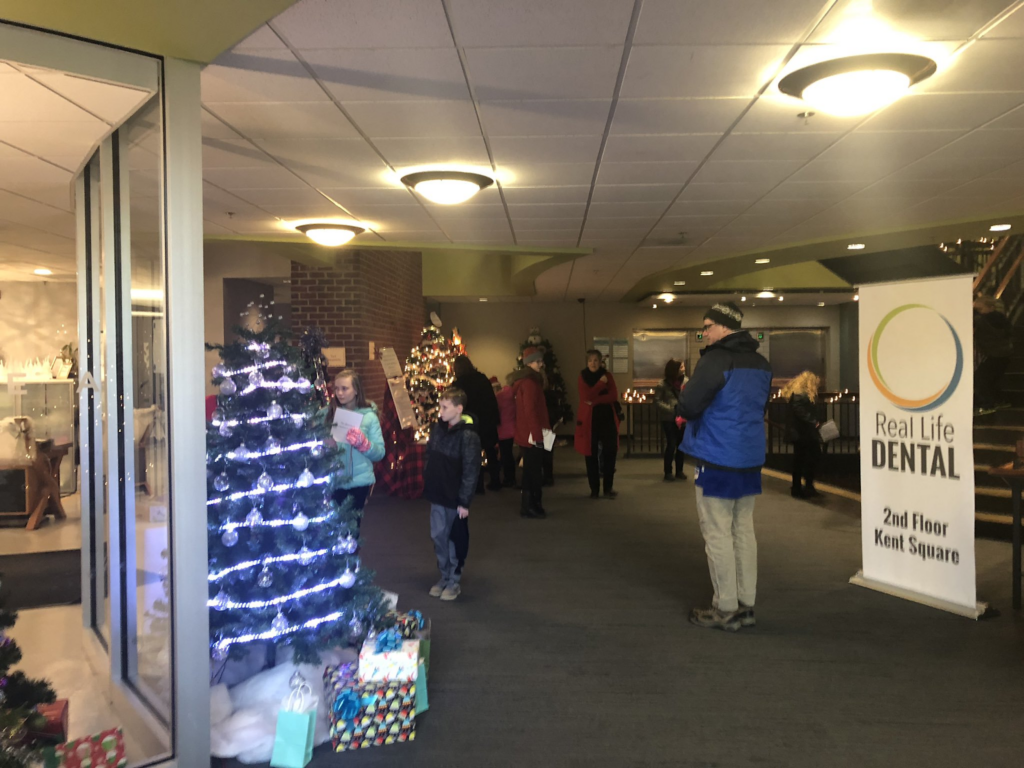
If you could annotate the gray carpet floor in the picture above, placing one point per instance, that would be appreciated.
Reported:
(570, 646)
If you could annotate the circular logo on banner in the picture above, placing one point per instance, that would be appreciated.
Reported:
(937, 384)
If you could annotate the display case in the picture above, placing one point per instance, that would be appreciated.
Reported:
(50, 403)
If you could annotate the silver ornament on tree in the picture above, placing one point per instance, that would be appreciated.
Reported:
(272, 446)
(227, 387)
(225, 429)
(219, 371)
(306, 555)
(265, 578)
(220, 602)
(221, 482)
(280, 623)
(275, 411)
(230, 537)
(254, 518)
(220, 651)
(256, 378)
(347, 579)
(355, 627)
(264, 482)
(305, 479)
(300, 522)
(304, 385)
(284, 382)
(263, 351)
(317, 450)
(217, 417)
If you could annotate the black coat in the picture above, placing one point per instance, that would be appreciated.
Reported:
(801, 420)
(481, 404)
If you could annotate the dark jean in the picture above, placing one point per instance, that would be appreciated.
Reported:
(673, 437)
(805, 463)
(533, 477)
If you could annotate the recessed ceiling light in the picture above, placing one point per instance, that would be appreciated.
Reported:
(654, 306)
(146, 294)
(762, 261)
(856, 297)
(857, 85)
(781, 298)
(821, 303)
(743, 298)
(679, 282)
(483, 299)
(766, 295)
(42, 271)
(999, 227)
(330, 233)
(855, 247)
(708, 273)
(447, 187)
(668, 298)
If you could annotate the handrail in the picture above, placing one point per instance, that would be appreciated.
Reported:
(1010, 273)
(996, 253)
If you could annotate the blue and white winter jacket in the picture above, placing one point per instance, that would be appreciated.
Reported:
(724, 405)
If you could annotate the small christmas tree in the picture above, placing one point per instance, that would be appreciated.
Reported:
(284, 564)
(19, 697)
(554, 392)
(429, 370)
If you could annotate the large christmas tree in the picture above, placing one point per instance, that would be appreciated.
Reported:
(428, 372)
(284, 562)
(554, 392)
(19, 696)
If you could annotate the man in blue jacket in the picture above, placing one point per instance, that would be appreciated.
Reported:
(724, 405)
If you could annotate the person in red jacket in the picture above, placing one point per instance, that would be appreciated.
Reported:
(506, 431)
(597, 424)
(531, 424)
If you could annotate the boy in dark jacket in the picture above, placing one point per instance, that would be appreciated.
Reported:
(449, 482)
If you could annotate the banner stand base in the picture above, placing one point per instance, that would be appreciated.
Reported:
(917, 597)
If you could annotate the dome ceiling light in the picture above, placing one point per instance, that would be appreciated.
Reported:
(447, 187)
(857, 85)
(329, 233)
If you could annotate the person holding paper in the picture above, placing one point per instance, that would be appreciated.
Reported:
(597, 424)
(356, 432)
(802, 431)
(533, 431)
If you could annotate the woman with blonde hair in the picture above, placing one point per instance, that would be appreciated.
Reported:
(802, 431)
(360, 447)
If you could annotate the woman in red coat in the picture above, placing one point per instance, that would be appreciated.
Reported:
(531, 424)
(597, 424)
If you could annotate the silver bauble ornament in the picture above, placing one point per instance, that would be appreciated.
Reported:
(263, 350)
(219, 652)
(254, 518)
(272, 446)
(305, 479)
(217, 417)
(221, 482)
(227, 387)
(220, 602)
(225, 429)
(284, 382)
(256, 378)
(347, 579)
(241, 452)
(304, 385)
(355, 627)
(351, 545)
(275, 411)
(229, 538)
(300, 522)
(280, 623)
(306, 555)
(317, 450)
(265, 482)
(265, 578)
(219, 371)
(298, 418)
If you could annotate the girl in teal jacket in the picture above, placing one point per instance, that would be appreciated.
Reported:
(361, 447)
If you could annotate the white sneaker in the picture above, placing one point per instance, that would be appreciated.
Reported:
(438, 589)
(451, 592)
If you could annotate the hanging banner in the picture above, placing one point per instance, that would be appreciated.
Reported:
(917, 447)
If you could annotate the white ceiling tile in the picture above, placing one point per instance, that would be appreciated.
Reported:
(776, 112)
(635, 193)
(414, 119)
(518, 74)
(1010, 27)
(465, 150)
(544, 195)
(1008, 145)
(671, 71)
(646, 173)
(1000, 188)
(496, 23)
(708, 207)
(283, 196)
(429, 236)
(1014, 121)
(1005, 171)
(113, 103)
(776, 146)
(752, 171)
(509, 150)
(553, 241)
(988, 65)
(893, 22)
(687, 147)
(267, 176)
(550, 174)
(788, 209)
(646, 116)
(679, 222)
(554, 117)
(864, 171)
(562, 226)
(215, 129)
(365, 24)
(394, 195)
(547, 211)
(898, 188)
(48, 139)
(211, 229)
(262, 38)
(833, 188)
(723, 22)
(646, 209)
(725, 191)
(232, 153)
(943, 111)
(894, 148)
(415, 74)
(945, 166)
(296, 211)
(467, 213)
(270, 120)
(22, 100)
(312, 157)
(259, 76)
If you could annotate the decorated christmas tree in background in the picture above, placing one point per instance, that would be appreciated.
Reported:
(429, 370)
(284, 557)
(19, 696)
(554, 392)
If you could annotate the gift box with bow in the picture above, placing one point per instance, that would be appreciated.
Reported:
(369, 714)
(386, 657)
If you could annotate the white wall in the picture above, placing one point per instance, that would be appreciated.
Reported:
(232, 259)
(36, 319)
(493, 331)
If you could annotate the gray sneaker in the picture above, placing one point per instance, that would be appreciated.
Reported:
(746, 615)
(451, 592)
(715, 619)
(438, 589)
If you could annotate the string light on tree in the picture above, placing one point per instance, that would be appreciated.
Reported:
(429, 370)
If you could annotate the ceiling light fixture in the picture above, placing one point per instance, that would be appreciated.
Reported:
(781, 298)
(447, 187)
(762, 261)
(679, 282)
(855, 247)
(766, 295)
(999, 227)
(329, 233)
(654, 306)
(856, 297)
(857, 85)
(668, 298)
(743, 298)
(821, 303)
(482, 299)
(42, 271)
(707, 274)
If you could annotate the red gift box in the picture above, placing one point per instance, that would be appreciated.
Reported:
(55, 729)
(101, 750)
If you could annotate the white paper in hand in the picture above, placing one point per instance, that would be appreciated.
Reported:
(549, 439)
(344, 420)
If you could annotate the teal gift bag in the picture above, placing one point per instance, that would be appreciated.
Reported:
(296, 722)
(422, 703)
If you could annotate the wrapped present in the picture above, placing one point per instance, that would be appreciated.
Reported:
(296, 725)
(370, 714)
(102, 750)
(386, 657)
(54, 728)
(414, 626)
(422, 702)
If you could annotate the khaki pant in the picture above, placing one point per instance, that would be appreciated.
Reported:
(728, 528)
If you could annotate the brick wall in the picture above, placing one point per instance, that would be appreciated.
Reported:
(370, 296)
